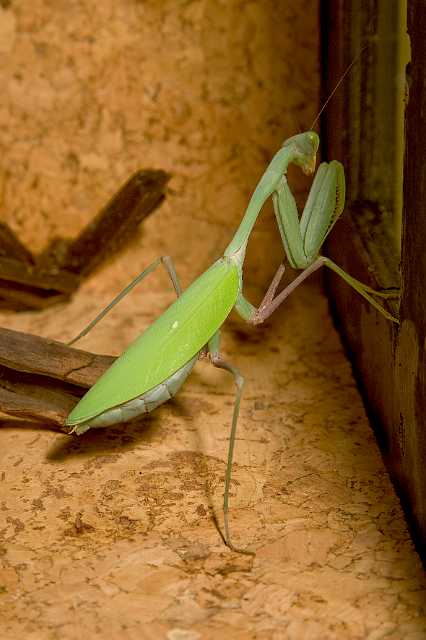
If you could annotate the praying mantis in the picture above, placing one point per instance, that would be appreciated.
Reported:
(156, 364)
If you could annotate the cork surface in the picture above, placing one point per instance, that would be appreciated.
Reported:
(113, 535)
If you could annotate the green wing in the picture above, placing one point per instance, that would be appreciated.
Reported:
(169, 343)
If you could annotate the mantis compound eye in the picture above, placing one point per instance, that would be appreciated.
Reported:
(314, 140)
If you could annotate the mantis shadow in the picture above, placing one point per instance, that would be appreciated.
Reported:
(116, 439)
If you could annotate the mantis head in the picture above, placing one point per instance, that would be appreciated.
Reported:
(305, 147)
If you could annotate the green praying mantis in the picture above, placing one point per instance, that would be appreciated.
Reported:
(156, 364)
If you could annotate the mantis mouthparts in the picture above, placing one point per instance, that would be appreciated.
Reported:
(310, 167)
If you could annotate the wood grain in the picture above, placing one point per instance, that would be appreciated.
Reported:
(41, 380)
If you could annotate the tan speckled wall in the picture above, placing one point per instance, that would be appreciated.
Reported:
(205, 90)
(111, 535)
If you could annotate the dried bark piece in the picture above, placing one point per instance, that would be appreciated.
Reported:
(12, 247)
(31, 409)
(114, 224)
(28, 283)
(41, 380)
(16, 271)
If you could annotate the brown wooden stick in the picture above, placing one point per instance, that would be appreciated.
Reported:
(35, 283)
(11, 246)
(116, 222)
(41, 380)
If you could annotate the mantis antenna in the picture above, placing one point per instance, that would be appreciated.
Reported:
(339, 82)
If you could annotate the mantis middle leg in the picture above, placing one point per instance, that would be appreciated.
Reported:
(271, 302)
(170, 268)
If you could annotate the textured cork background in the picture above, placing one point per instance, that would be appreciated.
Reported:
(112, 535)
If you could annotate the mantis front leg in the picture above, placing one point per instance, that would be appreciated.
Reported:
(302, 240)
(271, 302)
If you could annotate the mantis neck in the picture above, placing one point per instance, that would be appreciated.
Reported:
(265, 188)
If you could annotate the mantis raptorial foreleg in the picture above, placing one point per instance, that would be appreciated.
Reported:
(302, 238)
(270, 304)
(170, 268)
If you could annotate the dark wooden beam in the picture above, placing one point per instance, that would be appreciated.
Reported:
(410, 449)
(389, 361)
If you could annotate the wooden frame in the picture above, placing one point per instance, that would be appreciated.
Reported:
(389, 360)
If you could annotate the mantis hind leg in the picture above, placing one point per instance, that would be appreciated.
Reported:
(217, 360)
(168, 264)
